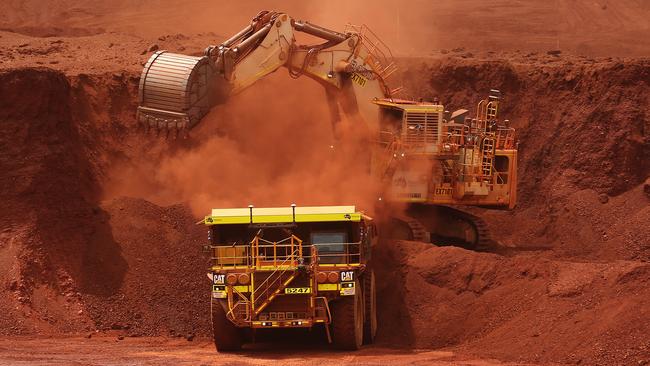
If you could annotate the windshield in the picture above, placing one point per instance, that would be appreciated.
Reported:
(330, 245)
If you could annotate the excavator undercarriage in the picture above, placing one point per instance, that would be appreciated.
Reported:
(442, 226)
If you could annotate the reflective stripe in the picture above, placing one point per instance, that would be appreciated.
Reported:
(328, 286)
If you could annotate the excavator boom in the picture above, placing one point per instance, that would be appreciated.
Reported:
(177, 91)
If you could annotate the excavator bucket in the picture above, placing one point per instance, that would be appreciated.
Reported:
(176, 91)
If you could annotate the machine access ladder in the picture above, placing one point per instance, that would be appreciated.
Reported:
(488, 159)
(278, 262)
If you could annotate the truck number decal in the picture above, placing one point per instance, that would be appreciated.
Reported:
(359, 79)
(297, 290)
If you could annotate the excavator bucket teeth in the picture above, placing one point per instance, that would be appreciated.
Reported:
(176, 91)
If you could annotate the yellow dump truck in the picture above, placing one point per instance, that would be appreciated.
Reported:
(292, 267)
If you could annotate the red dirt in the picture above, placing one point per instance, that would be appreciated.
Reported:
(573, 287)
(103, 350)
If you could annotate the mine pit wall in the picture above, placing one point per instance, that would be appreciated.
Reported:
(82, 264)
(71, 262)
(47, 184)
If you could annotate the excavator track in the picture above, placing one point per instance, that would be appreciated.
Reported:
(484, 240)
(422, 221)
(417, 231)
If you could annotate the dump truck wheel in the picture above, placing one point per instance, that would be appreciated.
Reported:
(227, 337)
(347, 321)
(370, 303)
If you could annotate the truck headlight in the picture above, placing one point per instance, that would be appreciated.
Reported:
(244, 279)
(333, 277)
(231, 279)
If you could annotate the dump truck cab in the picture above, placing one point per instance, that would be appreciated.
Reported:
(291, 267)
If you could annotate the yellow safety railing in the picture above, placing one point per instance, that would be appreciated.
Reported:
(290, 250)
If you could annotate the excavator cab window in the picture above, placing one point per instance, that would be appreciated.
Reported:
(390, 124)
(502, 166)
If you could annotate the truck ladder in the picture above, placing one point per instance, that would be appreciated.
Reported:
(271, 287)
(283, 272)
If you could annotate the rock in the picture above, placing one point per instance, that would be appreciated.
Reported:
(554, 52)
(603, 198)
(190, 337)
(153, 47)
(119, 338)
(646, 187)
(89, 335)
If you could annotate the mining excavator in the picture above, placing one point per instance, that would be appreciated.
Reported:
(432, 160)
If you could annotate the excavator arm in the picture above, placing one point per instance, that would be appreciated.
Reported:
(177, 91)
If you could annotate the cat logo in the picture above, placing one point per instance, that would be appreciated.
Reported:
(347, 276)
(218, 278)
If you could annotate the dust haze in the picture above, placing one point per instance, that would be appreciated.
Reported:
(271, 145)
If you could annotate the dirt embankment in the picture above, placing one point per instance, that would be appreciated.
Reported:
(66, 256)
(526, 308)
(74, 263)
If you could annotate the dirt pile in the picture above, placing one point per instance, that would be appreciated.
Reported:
(525, 308)
(163, 288)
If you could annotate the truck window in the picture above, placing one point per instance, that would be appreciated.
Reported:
(330, 245)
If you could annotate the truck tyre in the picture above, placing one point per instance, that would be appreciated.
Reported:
(227, 337)
(370, 303)
(347, 320)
